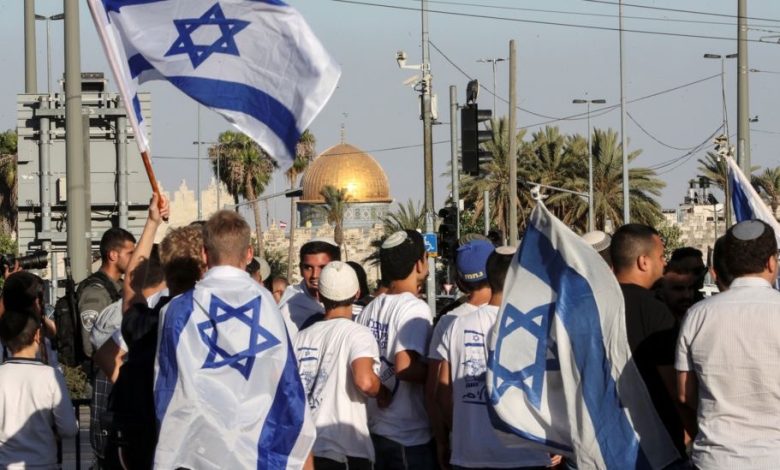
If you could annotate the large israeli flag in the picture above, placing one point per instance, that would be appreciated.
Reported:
(560, 371)
(747, 203)
(255, 62)
(227, 390)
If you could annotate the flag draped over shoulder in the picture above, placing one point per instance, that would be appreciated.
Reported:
(227, 390)
(560, 371)
(747, 203)
(255, 62)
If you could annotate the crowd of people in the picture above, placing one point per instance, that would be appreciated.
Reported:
(388, 383)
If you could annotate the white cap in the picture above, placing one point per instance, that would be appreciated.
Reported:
(338, 281)
(597, 239)
(265, 268)
(506, 250)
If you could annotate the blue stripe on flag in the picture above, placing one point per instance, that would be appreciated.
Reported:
(137, 109)
(577, 309)
(115, 5)
(742, 209)
(284, 420)
(233, 96)
(138, 64)
(176, 317)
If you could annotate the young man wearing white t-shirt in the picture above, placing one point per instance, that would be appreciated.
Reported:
(462, 391)
(34, 402)
(470, 261)
(401, 324)
(336, 360)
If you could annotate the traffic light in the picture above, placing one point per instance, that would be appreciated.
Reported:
(448, 232)
(471, 137)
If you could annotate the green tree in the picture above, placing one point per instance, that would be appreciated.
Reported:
(644, 185)
(406, 217)
(304, 155)
(671, 235)
(245, 169)
(334, 208)
(8, 181)
(768, 183)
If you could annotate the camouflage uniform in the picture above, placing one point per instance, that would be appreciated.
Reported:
(93, 298)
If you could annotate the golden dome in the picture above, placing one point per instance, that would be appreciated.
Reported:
(346, 166)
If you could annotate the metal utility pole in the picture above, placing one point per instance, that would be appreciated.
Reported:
(428, 150)
(624, 144)
(493, 61)
(743, 126)
(30, 69)
(513, 235)
(455, 167)
(591, 201)
(78, 205)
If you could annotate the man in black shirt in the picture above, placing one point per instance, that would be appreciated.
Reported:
(638, 261)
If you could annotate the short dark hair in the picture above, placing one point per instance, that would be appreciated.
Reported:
(114, 239)
(497, 266)
(396, 263)
(17, 328)
(253, 266)
(331, 304)
(719, 262)
(316, 247)
(744, 257)
(21, 289)
(629, 242)
(361, 277)
(149, 272)
(677, 261)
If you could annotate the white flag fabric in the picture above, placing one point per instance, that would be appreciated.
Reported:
(227, 391)
(747, 203)
(560, 371)
(255, 62)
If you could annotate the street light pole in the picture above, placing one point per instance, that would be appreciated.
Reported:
(48, 20)
(722, 59)
(591, 213)
(493, 61)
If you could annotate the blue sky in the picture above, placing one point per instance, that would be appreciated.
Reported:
(555, 65)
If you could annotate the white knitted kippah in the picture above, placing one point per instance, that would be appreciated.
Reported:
(338, 281)
(597, 239)
(395, 239)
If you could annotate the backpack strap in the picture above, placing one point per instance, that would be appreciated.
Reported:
(100, 278)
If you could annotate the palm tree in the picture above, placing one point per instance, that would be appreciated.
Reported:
(494, 177)
(560, 161)
(304, 154)
(334, 208)
(407, 217)
(768, 183)
(245, 169)
(644, 186)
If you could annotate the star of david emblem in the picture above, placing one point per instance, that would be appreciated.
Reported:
(529, 379)
(260, 339)
(225, 44)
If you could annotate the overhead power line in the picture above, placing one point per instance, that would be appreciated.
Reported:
(593, 15)
(656, 139)
(677, 10)
(547, 23)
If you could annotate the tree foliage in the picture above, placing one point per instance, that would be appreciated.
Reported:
(409, 216)
(334, 208)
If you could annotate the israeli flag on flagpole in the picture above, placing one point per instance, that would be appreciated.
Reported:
(560, 372)
(746, 201)
(227, 391)
(255, 62)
